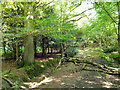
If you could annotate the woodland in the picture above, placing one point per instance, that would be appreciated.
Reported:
(60, 44)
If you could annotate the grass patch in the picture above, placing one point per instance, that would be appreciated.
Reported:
(38, 68)
(115, 56)
(105, 57)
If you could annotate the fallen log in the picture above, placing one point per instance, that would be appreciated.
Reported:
(104, 68)
(13, 84)
(8, 81)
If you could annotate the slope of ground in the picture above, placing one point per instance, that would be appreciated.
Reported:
(71, 76)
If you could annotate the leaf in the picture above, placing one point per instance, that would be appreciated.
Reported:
(16, 87)
(5, 72)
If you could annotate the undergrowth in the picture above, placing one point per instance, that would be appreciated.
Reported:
(110, 58)
(38, 68)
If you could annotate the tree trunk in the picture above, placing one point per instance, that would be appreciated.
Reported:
(35, 46)
(51, 50)
(14, 51)
(28, 49)
(62, 50)
(28, 38)
(48, 48)
(43, 47)
(118, 28)
(17, 50)
(4, 44)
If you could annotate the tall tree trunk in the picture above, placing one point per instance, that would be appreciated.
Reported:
(43, 47)
(14, 51)
(17, 48)
(48, 48)
(4, 44)
(28, 49)
(51, 49)
(62, 50)
(28, 39)
(118, 27)
(35, 46)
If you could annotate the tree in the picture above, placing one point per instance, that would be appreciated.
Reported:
(115, 4)
(118, 3)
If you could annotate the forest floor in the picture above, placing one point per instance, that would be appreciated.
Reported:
(69, 75)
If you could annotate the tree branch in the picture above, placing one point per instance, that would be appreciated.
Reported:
(106, 12)
(80, 13)
(76, 6)
(74, 20)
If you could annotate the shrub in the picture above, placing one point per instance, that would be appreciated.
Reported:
(105, 57)
(37, 68)
(116, 56)
(34, 70)
(70, 53)
(109, 49)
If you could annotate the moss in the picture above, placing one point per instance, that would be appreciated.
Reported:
(109, 49)
(37, 68)
(24, 79)
(115, 56)
(34, 70)
(105, 57)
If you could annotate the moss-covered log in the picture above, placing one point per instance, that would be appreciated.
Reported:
(103, 68)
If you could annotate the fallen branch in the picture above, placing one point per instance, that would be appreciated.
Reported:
(10, 82)
(105, 68)
(60, 62)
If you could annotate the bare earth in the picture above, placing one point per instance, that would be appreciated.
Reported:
(70, 76)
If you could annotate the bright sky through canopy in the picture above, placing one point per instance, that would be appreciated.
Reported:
(90, 13)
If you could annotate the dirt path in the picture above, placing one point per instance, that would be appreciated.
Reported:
(70, 76)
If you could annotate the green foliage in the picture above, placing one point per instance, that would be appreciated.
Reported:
(71, 51)
(99, 49)
(13, 78)
(105, 57)
(25, 79)
(37, 68)
(16, 87)
(34, 70)
(116, 56)
(69, 68)
(109, 49)
(20, 64)
(101, 29)
(5, 72)
(12, 75)
(54, 70)
(39, 49)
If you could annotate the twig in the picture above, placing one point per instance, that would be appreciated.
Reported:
(10, 83)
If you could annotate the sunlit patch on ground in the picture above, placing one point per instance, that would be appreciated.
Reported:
(117, 79)
(91, 82)
(67, 75)
(109, 76)
(107, 84)
(50, 58)
(62, 83)
(36, 84)
(98, 76)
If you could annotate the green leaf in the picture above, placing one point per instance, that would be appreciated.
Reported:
(16, 87)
